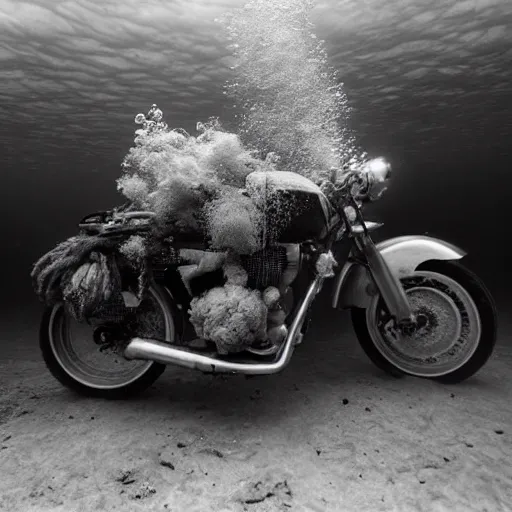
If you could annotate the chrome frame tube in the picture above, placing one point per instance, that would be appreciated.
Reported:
(388, 284)
(141, 348)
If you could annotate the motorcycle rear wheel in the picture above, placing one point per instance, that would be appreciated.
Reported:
(458, 339)
(81, 370)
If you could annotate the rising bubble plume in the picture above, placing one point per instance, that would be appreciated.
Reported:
(291, 101)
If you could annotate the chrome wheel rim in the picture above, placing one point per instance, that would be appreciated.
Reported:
(90, 364)
(447, 341)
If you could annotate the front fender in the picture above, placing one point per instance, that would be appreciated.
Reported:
(354, 286)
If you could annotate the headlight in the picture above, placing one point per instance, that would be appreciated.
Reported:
(379, 168)
(379, 172)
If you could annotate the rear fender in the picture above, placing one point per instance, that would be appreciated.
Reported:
(354, 286)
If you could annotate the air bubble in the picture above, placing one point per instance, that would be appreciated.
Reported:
(292, 103)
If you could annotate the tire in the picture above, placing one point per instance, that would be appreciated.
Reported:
(469, 296)
(62, 360)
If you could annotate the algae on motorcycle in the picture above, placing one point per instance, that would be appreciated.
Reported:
(224, 280)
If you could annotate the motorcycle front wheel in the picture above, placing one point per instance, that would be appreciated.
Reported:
(459, 331)
(89, 358)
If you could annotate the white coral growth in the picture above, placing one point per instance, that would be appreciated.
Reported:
(232, 316)
(174, 173)
(325, 264)
(235, 223)
(271, 296)
(235, 274)
(134, 249)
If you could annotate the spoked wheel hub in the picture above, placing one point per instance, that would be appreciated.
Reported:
(422, 321)
(110, 336)
(103, 335)
(443, 335)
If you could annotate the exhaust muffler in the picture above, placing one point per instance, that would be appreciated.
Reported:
(153, 350)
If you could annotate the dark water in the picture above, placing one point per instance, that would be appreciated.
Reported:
(429, 88)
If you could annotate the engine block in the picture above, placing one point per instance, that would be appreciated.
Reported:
(273, 266)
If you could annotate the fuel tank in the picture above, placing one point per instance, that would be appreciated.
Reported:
(296, 209)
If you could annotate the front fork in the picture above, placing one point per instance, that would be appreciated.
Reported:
(387, 283)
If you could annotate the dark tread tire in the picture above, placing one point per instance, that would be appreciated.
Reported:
(488, 316)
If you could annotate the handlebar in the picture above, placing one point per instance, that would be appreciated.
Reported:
(354, 185)
(355, 188)
(135, 215)
(112, 222)
(362, 185)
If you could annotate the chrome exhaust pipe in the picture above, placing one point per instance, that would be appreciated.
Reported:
(152, 350)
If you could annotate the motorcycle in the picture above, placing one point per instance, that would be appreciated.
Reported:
(415, 308)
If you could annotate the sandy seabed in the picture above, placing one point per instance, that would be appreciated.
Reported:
(330, 433)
